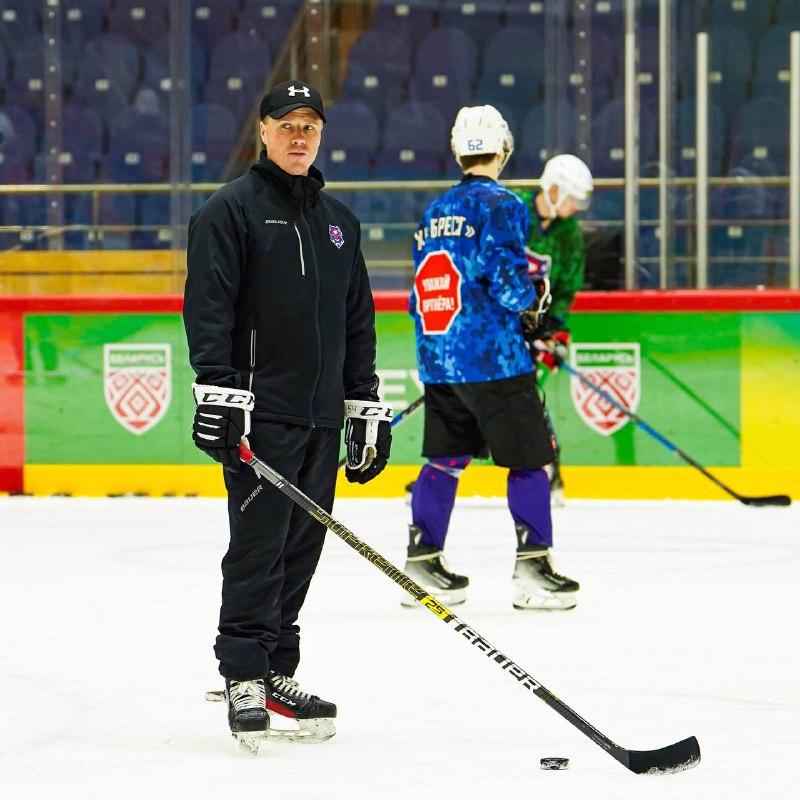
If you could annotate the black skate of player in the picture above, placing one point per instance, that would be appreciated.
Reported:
(247, 712)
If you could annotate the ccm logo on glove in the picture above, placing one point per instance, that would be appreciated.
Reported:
(210, 395)
(368, 439)
(221, 420)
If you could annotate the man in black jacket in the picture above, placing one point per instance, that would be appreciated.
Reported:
(280, 323)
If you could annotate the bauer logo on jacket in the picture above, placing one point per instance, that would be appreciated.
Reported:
(616, 369)
(335, 232)
(137, 384)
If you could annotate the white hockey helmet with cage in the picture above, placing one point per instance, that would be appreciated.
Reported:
(481, 130)
(571, 177)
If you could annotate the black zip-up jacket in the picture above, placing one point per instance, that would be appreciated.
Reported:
(277, 297)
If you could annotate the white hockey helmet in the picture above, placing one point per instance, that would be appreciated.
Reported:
(571, 177)
(481, 130)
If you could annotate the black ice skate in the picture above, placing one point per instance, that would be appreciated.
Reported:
(247, 712)
(427, 567)
(536, 585)
(309, 718)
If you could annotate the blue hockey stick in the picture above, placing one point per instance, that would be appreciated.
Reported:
(768, 500)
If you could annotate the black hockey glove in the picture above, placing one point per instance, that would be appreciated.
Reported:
(367, 438)
(555, 337)
(557, 352)
(534, 318)
(221, 419)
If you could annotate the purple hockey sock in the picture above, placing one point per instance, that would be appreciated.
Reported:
(433, 498)
(529, 504)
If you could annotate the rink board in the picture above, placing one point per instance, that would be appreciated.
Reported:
(95, 398)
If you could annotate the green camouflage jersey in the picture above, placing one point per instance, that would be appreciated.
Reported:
(562, 252)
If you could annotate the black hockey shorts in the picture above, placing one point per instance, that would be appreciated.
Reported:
(503, 418)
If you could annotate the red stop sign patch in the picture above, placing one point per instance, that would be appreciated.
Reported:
(437, 286)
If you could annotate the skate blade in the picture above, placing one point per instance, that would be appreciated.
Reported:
(215, 696)
(303, 731)
(530, 601)
(452, 598)
(249, 742)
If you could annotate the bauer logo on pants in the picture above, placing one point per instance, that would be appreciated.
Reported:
(137, 383)
(614, 368)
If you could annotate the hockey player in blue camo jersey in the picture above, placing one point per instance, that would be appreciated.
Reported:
(475, 307)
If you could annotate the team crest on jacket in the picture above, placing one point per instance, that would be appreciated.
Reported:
(138, 384)
(615, 368)
(335, 232)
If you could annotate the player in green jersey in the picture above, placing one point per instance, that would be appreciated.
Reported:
(556, 249)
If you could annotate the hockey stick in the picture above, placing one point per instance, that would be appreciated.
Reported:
(673, 758)
(765, 500)
(401, 416)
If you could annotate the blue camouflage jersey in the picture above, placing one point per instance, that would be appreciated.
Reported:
(470, 284)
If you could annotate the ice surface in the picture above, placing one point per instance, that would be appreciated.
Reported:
(686, 624)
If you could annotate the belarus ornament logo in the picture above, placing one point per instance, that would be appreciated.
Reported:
(614, 368)
(335, 233)
(137, 383)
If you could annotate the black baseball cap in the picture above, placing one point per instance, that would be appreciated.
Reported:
(288, 96)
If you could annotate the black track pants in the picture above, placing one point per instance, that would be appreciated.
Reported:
(274, 549)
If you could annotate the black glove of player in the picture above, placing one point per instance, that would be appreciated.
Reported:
(368, 439)
(534, 318)
(221, 419)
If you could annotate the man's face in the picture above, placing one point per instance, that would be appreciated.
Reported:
(292, 141)
(567, 207)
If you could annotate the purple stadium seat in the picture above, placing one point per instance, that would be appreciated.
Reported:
(240, 63)
(107, 74)
(772, 62)
(350, 141)
(378, 71)
(82, 20)
(271, 20)
(141, 21)
(445, 68)
(513, 70)
(415, 142)
(214, 134)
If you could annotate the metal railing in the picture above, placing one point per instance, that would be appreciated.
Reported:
(374, 232)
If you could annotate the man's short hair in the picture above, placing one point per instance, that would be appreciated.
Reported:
(467, 162)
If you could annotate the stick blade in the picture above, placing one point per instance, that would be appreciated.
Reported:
(673, 758)
(768, 500)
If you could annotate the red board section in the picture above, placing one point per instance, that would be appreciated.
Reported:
(14, 308)
(687, 300)
(12, 402)
(655, 301)
(94, 304)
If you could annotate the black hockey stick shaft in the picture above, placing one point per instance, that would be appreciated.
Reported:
(554, 439)
(673, 758)
(765, 500)
(401, 416)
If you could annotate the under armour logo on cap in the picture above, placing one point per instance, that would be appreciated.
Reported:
(288, 96)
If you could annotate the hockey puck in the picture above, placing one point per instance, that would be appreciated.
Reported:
(554, 763)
